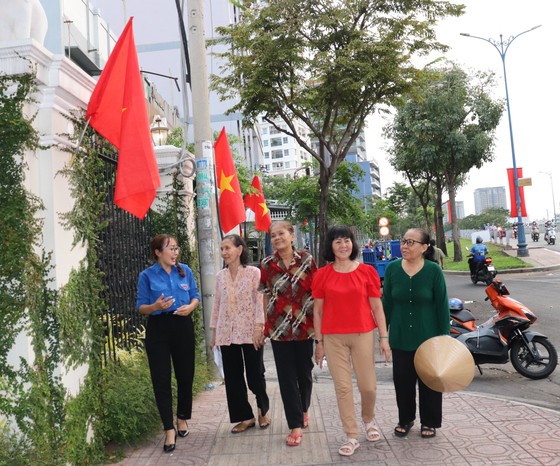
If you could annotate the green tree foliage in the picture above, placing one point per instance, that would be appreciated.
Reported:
(328, 64)
(443, 130)
(494, 216)
(301, 195)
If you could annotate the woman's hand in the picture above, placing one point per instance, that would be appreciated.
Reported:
(163, 303)
(258, 337)
(319, 354)
(185, 310)
(385, 349)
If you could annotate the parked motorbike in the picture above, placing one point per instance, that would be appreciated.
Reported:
(484, 271)
(505, 336)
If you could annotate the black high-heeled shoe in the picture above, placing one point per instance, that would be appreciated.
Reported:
(169, 448)
(182, 433)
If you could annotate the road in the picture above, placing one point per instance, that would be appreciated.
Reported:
(540, 292)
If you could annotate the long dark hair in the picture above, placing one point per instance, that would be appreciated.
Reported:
(238, 241)
(335, 233)
(159, 243)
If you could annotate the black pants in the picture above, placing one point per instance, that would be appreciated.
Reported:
(404, 378)
(240, 361)
(294, 364)
(171, 338)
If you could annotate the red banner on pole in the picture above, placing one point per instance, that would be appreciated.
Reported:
(512, 197)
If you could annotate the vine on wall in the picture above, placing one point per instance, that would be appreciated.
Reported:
(32, 392)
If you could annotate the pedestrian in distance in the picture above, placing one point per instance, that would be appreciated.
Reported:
(286, 278)
(346, 310)
(237, 324)
(416, 308)
(437, 255)
(168, 295)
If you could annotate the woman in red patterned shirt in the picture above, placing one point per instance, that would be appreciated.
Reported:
(286, 278)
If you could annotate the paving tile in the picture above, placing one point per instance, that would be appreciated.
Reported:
(477, 430)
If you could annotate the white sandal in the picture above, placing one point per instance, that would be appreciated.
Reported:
(349, 447)
(372, 432)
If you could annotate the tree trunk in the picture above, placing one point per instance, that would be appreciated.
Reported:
(456, 238)
(324, 185)
(438, 214)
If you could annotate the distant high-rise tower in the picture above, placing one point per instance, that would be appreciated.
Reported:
(489, 198)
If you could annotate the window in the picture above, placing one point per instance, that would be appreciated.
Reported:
(287, 165)
(278, 165)
(264, 130)
(275, 142)
(286, 152)
(277, 154)
(267, 155)
(265, 143)
(285, 140)
(273, 130)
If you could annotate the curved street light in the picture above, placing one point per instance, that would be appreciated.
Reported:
(502, 47)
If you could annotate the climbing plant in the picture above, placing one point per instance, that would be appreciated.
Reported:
(32, 392)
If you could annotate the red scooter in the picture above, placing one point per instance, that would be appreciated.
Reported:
(504, 336)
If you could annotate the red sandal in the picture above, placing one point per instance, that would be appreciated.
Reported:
(293, 440)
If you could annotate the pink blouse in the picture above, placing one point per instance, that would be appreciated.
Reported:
(238, 306)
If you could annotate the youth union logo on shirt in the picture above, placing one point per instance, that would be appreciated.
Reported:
(184, 286)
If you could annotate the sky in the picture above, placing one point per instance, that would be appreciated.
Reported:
(531, 72)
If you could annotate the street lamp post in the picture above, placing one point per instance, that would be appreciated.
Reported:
(502, 47)
(552, 187)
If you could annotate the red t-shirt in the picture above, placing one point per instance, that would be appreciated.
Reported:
(345, 298)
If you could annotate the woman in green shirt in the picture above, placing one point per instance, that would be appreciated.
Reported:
(416, 309)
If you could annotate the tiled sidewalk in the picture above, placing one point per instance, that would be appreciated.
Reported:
(477, 431)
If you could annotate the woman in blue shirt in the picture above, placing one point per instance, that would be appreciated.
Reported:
(168, 295)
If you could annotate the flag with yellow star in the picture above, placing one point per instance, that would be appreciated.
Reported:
(230, 205)
(254, 200)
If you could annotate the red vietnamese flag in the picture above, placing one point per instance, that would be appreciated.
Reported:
(230, 206)
(254, 200)
(117, 110)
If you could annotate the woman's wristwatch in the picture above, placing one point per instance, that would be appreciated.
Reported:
(318, 341)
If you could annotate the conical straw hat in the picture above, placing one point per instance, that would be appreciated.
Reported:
(444, 364)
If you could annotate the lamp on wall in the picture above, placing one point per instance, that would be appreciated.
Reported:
(159, 129)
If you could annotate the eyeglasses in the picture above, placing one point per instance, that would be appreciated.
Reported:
(410, 242)
(174, 249)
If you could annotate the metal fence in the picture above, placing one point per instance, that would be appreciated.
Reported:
(123, 253)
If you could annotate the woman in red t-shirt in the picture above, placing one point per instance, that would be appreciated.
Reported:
(347, 308)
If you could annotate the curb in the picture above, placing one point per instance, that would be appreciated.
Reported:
(546, 268)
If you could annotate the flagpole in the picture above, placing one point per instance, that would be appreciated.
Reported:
(208, 242)
(83, 134)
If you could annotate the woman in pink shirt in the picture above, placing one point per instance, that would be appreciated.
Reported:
(237, 325)
(346, 310)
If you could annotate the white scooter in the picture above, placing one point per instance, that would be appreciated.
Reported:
(550, 235)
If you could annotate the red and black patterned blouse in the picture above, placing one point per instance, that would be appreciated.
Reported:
(290, 305)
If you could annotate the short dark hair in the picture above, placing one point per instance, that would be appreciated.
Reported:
(335, 233)
(238, 241)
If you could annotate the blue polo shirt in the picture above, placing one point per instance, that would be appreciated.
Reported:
(155, 281)
(479, 252)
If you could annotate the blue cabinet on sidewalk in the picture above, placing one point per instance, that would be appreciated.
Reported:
(383, 253)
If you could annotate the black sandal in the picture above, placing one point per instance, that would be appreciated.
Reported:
(427, 432)
(402, 430)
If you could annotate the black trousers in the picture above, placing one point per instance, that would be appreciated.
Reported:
(171, 338)
(240, 361)
(294, 364)
(404, 378)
